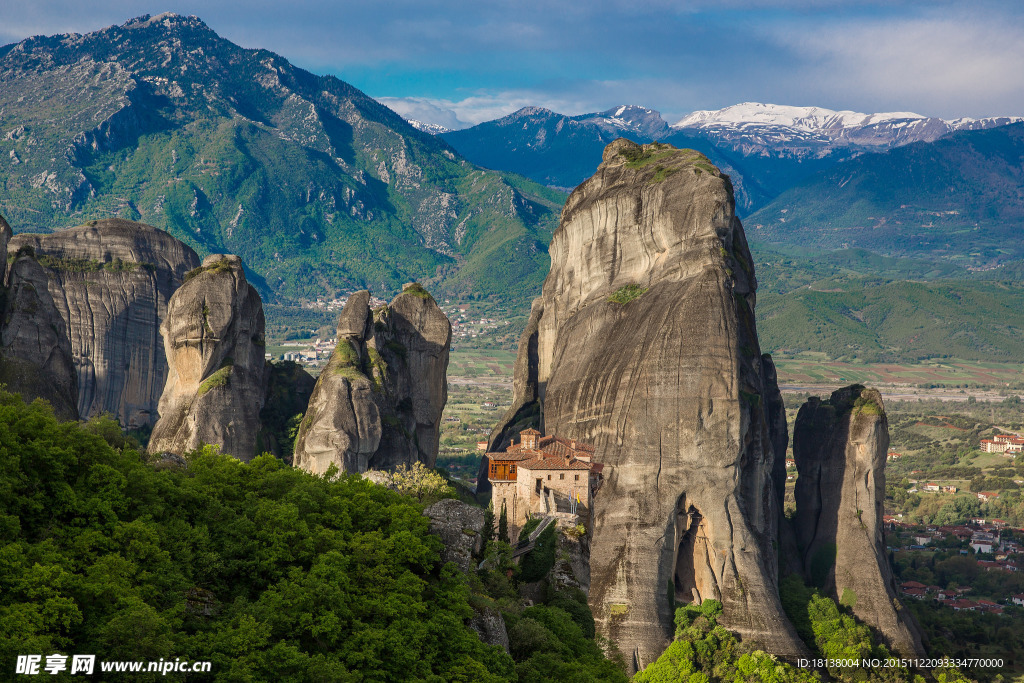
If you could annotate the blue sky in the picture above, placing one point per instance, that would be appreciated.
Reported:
(458, 63)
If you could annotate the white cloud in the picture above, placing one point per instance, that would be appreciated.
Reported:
(456, 114)
(947, 66)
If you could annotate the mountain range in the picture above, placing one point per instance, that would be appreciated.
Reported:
(321, 190)
(765, 148)
(959, 198)
(318, 187)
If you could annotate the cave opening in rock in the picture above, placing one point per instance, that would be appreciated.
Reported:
(693, 579)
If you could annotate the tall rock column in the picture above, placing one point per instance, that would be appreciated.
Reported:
(643, 343)
(214, 342)
(111, 281)
(840, 446)
(35, 351)
(378, 403)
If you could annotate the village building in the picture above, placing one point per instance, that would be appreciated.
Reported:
(543, 475)
(1003, 443)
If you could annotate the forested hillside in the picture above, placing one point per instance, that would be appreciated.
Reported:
(268, 572)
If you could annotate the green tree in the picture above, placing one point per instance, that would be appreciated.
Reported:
(503, 525)
(267, 571)
(488, 530)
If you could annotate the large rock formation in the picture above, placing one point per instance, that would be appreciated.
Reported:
(35, 353)
(214, 342)
(111, 281)
(643, 343)
(840, 447)
(378, 402)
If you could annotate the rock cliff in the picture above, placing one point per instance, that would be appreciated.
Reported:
(378, 402)
(643, 343)
(840, 445)
(214, 342)
(35, 353)
(111, 281)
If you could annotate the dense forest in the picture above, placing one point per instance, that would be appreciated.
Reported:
(270, 573)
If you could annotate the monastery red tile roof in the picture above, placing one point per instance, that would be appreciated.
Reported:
(554, 464)
(512, 455)
(552, 453)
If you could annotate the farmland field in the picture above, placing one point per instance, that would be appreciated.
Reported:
(488, 365)
(947, 373)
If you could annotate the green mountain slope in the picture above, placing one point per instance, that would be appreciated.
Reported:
(960, 198)
(318, 187)
(855, 304)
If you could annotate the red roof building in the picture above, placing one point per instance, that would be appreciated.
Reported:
(543, 475)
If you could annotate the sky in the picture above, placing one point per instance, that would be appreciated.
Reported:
(460, 63)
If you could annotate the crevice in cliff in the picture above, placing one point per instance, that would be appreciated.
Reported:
(693, 577)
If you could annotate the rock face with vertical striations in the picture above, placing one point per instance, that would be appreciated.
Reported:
(840, 446)
(111, 281)
(214, 342)
(378, 402)
(643, 343)
(35, 353)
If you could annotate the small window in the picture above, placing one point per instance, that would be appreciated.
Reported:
(577, 477)
(561, 476)
(549, 477)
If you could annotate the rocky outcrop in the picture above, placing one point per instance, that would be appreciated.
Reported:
(111, 281)
(489, 626)
(646, 347)
(840, 446)
(214, 342)
(35, 353)
(378, 402)
(459, 526)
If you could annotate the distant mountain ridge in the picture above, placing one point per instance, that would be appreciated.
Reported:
(629, 119)
(318, 187)
(958, 198)
(765, 148)
(432, 128)
(752, 122)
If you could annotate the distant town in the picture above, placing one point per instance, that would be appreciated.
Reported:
(467, 324)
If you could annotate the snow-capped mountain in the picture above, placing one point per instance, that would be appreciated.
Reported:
(432, 128)
(773, 124)
(629, 119)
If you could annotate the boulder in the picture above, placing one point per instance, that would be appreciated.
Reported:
(840, 445)
(111, 281)
(643, 343)
(459, 526)
(214, 342)
(378, 402)
(489, 626)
